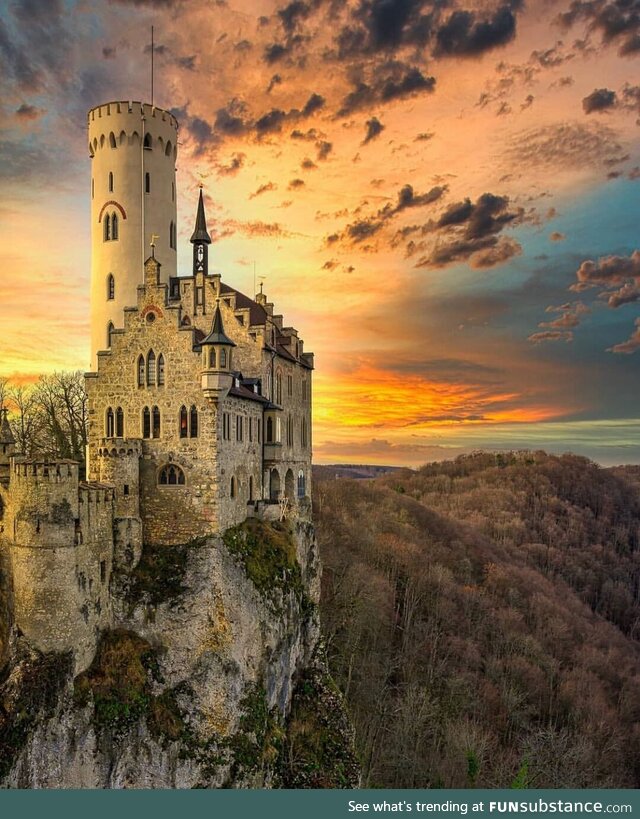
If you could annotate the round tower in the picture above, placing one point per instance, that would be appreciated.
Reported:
(133, 149)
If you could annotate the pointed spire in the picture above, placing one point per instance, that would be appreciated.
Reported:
(6, 435)
(217, 334)
(200, 233)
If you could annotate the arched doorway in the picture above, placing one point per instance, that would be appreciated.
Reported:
(289, 485)
(274, 485)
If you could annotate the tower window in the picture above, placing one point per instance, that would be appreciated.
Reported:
(119, 423)
(110, 182)
(212, 358)
(172, 235)
(110, 329)
(106, 228)
(111, 286)
(161, 370)
(151, 369)
(146, 423)
(269, 430)
(114, 226)
(171, 475)
(239, 420)
(301, 485)
(233, 487)
(156, 422)
(223, 358)
(250, 487)
(147, 182)
(109, 424)
(147, 142)
(193, 426)
(183, 422)
(278, 388)
(289, 385)
(141, 370)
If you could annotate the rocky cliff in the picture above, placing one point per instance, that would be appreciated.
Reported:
(210, 675)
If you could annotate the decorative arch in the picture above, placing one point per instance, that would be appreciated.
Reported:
(123, 137)
(274, 485)
(135, 137)
(102, 140)
(112, 203)
(171, 475)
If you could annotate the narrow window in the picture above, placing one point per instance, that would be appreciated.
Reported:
(146, 423)
(193, 417)
(233, 487)
(161, 370)
(110, 182)
(109, 424)
(250, 430)
(141, 370)
(212, 358)
(110, 329)
(173, 191)
(103, 571)
(278, 388)
(269, 430)
(147, 182)
(106, 227)
(289, 385)
(111, 287)
(119, 423)
(151, 369)
(156, 422)
(183, 422)
(114, 226)
(199, 295)
(171, 240)
(258, 426)
(223, 358)
(250, 487)
(239, 420)
(147, 141)
(125, 490)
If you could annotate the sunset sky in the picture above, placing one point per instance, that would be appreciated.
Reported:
(442, 195)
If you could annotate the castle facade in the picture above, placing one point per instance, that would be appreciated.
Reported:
(199, 401)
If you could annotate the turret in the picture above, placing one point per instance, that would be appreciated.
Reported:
(133, 149)
(216, 360)
(200, 241)
(7, 447)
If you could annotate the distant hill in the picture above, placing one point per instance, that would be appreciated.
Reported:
(482, 618)
(333, 471)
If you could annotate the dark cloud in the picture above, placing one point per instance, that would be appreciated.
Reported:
(609, 270)
(601, 99)
(188, 63)
(28, 112)
(243, 45)
(412, 82)
(390, 81)
(308, 164)
(424, 137)
(237, 161)
(293, 14)
(295, 184)
(275, 52)
(617, 22)
(313, 104)
(230, 122)
(465, 35)
(108, 53)
(629, 293)
(201, 133)
(270, 122)
(330, 264)
(275, 80)
(374, 129)
(268, 186)
(324, 149)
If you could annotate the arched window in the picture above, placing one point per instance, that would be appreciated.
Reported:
(109, 424)
(119, 423)
(146, 423)
(167, 150)
(141, 370)
(110, 182)
(147, 182)
(147, 142)
(106, 229)
(114, 226)
(250, 487)
(223, 358)
(112, 144)
(161, 370)
(193, 426)
(212, 358)
(183, 422)
(111, 286)
(110, 329)
(301, 485)
(278, 387)
(269, 430)
(151, 369)
(156, 422)
(233, 487)
(172, 241)
(171, 475)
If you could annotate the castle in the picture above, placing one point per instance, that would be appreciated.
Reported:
(199, 402)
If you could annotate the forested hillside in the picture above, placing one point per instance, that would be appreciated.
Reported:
(482, 618)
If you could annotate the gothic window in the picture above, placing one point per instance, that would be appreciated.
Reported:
(111, 287)
(290, 430)
(269, 430)
(226, 426)
(250, 487)
(161, 370)
(233, 487)
(289, 385)
(171, 475)
(114, 226)
(167, 150)
(212, 358)
(147, 182)
(146, 423)
(141, 370)
(151, 369)
(110, 182)
(193, 425)
(278, 387)
(110, 329)
(147, 141)
(119, 423)
(250, 429)
(301, 485)
(183, 422)
(112, 140)
(106, 228)
(223, 358)
(156, 422)
(109, 425)
(303, 432)
(239, 420)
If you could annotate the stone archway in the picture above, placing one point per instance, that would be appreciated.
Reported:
(289, 485)
(274, 485)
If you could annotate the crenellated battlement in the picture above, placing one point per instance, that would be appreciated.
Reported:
(119, 447)
(135, 108)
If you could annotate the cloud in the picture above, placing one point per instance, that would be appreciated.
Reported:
(275, 80)
(566, 145)
(466, 35)
(425, 136)
(295, 184)
(308, 164)
(313, 104)
(556, 236)
(390, 81)
(631, 344)
(608, 270)
(237, 161)
(28, 112)
(374, 129)
(617, 22)
(569, 318)
(551, 335)
(629, 293)
(268, 186)
(602, 99)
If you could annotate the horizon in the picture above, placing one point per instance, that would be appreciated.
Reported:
(446, 211)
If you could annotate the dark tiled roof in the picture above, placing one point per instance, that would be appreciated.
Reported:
(200, 233)
(217, 334)
(257, 313)
(245, 392)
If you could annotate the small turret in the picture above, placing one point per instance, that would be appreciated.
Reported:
(216, 360)
(200, 240)
(7, 446)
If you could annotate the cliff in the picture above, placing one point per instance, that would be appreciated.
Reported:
(211, 654)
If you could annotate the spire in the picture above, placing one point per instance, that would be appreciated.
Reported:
(6, 436)
(200, 233)
(217, 334)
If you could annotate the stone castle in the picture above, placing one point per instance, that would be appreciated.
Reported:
(199, 402)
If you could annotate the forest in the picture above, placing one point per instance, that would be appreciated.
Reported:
(482, 618)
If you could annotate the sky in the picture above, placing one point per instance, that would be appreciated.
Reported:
(443, 196)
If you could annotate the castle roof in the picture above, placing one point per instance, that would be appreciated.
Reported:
(217, 334)
(6, 435)
(200, 233)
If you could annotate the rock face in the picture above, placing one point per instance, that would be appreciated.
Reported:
(193, 682)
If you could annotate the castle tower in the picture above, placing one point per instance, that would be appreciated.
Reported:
(7, 447)
(133, 149)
